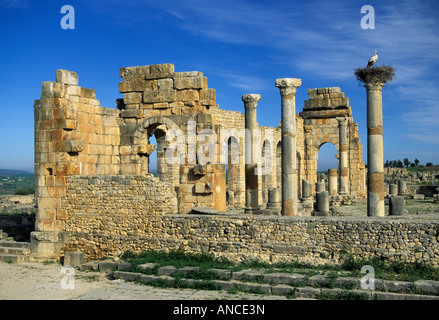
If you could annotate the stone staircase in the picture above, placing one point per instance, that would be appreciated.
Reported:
(12, 251)
(291, 285)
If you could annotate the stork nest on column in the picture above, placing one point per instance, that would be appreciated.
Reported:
(382, 74)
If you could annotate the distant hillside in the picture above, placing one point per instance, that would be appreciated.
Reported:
(10, 172)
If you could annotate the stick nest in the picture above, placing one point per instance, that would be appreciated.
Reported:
(382, 74)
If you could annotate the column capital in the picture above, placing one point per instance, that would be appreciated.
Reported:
(250, 100)
(342, 120)
(288, 86)
(373, 85)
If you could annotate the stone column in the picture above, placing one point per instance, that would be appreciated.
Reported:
(320, 187)
(402, 187)
(375, 159)
(343, 156)
(396, 206)
(307, 199)
(332, 182)
(306, 190)
(251, 178)
(287, 88)
(322, 199)
(273, 199)
(393, 189)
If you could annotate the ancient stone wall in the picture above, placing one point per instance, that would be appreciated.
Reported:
(117, 195)
(74, 135)
(269, 239)
(81, 148)
(327, 118)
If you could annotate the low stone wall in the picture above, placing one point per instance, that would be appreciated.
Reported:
(427, 191)
(309, 239)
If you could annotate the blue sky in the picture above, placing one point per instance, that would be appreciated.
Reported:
(242, 46)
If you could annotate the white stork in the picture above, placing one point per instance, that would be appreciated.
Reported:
(373, 60)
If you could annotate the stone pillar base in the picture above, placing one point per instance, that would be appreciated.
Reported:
(306, 206)
(253, 210)
(45, 245)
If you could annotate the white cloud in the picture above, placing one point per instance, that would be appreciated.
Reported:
(14, 4)
(319, 39)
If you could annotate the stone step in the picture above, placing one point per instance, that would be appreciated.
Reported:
(14, 244)
(15, 258)
(290, 284)
(281, 289)
(13, 250)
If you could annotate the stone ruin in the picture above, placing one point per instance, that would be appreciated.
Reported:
(95, 192)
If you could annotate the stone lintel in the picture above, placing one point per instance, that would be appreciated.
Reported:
(316, 91)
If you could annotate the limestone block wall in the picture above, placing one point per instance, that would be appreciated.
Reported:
(74, 135)
(156, 99)
(269, 239)
(157, 90)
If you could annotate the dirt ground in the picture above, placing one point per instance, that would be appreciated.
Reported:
(42, 281)
(414, 207)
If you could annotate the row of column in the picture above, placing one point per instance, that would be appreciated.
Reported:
(375, 158)
(287, 88)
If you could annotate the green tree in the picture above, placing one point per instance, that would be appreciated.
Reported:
(406, 162)
(416, 162)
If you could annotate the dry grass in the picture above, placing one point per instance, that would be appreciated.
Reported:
(382, 74)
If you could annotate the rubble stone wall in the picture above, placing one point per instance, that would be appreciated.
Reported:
(270, 239)
(122, 195)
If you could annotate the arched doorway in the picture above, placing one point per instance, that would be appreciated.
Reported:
(150, 141)
(327, 158)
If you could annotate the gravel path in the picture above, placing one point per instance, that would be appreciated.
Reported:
(38, 281)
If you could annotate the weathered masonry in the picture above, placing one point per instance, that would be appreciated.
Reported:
(95, 191)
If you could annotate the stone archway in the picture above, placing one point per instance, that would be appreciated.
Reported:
(156, 126)
(327, 117)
